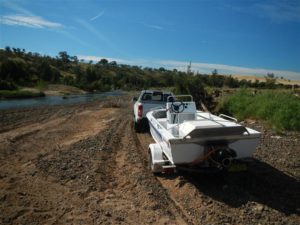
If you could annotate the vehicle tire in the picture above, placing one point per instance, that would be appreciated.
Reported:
(137, 127)
(146, 127)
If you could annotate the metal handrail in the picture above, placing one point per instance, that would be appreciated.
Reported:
(156, 108)
(228, 117)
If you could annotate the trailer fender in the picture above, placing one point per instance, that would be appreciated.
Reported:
(156, 158)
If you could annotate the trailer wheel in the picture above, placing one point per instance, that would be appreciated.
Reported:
(151, 166)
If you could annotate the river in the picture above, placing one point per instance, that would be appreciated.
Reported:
(54, 100)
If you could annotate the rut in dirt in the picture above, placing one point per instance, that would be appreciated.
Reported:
(132, 195)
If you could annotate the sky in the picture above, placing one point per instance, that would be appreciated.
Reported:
(233, 36)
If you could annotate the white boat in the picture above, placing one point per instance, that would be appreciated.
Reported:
(188, 138)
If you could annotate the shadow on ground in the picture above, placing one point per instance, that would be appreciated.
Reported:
(262, 183)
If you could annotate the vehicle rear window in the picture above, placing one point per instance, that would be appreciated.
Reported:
(156, 96)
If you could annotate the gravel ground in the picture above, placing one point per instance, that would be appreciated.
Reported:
(84, 164)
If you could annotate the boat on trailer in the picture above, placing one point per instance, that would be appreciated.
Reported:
(194, 140)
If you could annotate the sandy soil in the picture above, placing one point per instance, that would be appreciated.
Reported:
(84, 164)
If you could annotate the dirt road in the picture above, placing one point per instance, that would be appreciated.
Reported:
(84, 164)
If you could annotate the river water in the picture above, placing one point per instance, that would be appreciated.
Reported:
(54, 100)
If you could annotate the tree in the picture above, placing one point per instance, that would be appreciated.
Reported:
(256, 83)
(7, 49)
(103, 62)
(90, 75)
(55, 75)
(68, 80)
(113, 63)
(45, 71)
(74, 59)
(270, 80)
(161, 69)
(231, 82)
(193, 85)
(214, 72)
(64, 57)
(14, 70)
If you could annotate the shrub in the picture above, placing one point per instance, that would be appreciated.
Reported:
(6, 85)
(280, 109)
(6, 94)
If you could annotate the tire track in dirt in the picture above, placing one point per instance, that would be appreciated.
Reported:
(142, 141)
(132, 195)
(154, 199)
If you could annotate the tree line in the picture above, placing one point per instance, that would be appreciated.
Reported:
(21, 68)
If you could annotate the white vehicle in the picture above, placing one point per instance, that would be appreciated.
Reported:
(147, 100)
(195, 140)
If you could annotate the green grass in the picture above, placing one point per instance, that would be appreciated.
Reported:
(280, 109)
(6, 94)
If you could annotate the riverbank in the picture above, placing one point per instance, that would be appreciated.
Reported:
(47, 90)
(53, 100)
(20, 94)
(61, 90)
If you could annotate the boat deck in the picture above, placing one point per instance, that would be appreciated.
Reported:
(205, 125)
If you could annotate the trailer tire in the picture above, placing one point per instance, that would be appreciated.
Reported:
(151, 166)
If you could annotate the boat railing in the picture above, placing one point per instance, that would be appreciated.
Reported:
(220, 115)
(156, 108)
(228, 117)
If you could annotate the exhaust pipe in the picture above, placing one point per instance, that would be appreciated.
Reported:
(226, 162)
(223, 156)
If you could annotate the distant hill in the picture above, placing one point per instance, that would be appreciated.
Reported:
(263, 79)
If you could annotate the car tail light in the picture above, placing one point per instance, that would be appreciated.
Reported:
(140, 110)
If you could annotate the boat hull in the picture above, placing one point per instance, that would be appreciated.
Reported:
(190, 150)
